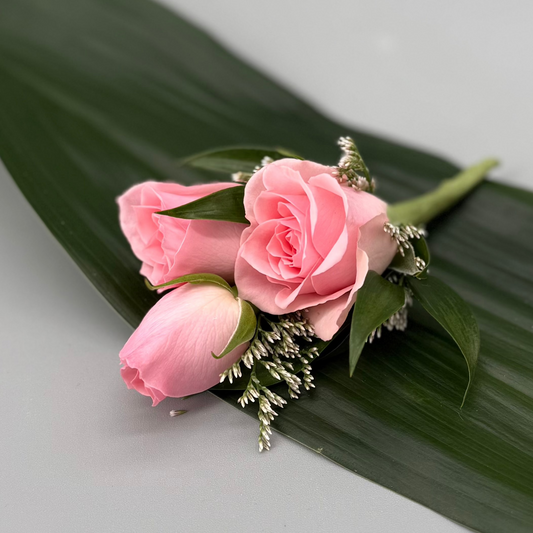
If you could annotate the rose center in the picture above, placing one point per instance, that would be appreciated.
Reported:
(284, 249)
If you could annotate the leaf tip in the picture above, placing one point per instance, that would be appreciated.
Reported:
(149, 286)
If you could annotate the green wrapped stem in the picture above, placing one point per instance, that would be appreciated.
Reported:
(426, 207)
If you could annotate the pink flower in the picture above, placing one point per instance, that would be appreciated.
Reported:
(169, 354)
(310, 244)
(172, 247)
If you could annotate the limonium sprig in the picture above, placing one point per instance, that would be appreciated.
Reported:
(279, 344)
(351, 168)
(403, 234)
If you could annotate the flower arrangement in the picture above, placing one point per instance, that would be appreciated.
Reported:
(263, 273)
(85, 123)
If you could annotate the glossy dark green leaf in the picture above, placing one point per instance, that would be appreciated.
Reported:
(453, 314)
(235, 159)
(421, 249)
(226, 204)
(377, 300)
(405, 263)
(98, 95)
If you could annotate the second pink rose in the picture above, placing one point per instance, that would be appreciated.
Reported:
(172, 247)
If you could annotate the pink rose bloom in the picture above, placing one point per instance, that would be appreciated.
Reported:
(169, 354)
(172, 247)
(310, 244)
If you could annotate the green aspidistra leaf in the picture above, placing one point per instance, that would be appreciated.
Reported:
(236, 159)
(226, 204)
(377, 300)
(453, 314)
(138, 88)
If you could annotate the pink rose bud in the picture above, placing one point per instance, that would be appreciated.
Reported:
(169, 354)
(172, 247)
(310, 244)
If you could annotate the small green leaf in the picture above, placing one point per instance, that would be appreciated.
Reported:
(236, 159)
(226, 205)
(406, 264)
(453, 314)
(244, 331)
(377, 300)
(194, 279)
(421, 249)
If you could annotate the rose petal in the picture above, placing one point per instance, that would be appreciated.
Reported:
(330, 316)
(377, 244)
(171, 349)
(306, 169)
(254, 250)
(328, 223)
(255, 287)
(161, 242)
(208, 247)
(338, 270)
(363, 206)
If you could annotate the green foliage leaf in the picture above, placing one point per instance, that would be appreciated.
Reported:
(81, 123)
(226, 204)
(236, 159)
(421, 249)
(453, 314)
(245, 329)
(194, 279)
(377, 300)
(406, 264)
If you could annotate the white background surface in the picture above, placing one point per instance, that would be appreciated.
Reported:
(454, 77)
(81, 453)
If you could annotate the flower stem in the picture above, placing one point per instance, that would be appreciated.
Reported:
(426, 207)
